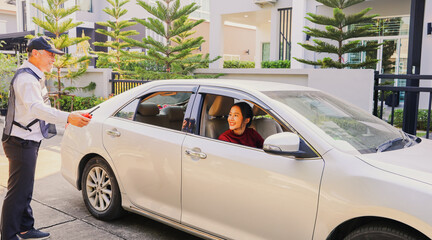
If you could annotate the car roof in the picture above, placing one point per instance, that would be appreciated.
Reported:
(247, 85)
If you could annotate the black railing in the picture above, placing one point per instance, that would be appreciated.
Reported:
(121, 85)
(395, 93)
(285, 24)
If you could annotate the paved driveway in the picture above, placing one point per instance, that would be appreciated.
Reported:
(59, 209)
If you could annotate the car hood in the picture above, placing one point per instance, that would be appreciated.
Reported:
(413, 162)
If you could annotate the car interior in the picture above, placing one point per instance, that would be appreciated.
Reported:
(162, 109)
(214, 118)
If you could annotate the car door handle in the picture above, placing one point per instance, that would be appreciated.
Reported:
(113, 133)
(196, 154)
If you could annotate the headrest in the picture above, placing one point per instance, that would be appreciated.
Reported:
(174, 113)
(148, 109)
(257, 111)
(221, 106)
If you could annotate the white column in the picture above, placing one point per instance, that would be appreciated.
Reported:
(297, 34)
(72, 34)
(274, 32)
(216, 39)
(259, 34)
(3, 26)
(19, 16)
(426, 57)
(34, 12)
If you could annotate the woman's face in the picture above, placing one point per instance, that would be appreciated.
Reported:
(236, 121)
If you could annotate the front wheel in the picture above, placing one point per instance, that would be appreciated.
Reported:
(381, 232)
(100, 190)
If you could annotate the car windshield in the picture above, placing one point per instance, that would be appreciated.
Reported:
(346, 127)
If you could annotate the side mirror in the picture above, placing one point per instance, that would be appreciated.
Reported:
(286, 143)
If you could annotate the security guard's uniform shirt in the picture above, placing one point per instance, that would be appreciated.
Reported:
(29, 104)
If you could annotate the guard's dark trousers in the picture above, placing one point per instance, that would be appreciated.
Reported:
(17, 215)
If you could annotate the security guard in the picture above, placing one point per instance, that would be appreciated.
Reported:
(26, 125)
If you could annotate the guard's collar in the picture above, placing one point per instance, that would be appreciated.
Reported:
(36, 70)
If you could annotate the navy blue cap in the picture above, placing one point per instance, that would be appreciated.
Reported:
(43, 43)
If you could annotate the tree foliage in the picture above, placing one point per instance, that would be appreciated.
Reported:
(336, 30)
(56, 22)
(170, 20)
(115, 32)
(8, 65)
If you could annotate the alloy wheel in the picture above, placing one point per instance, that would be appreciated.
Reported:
(99, 189)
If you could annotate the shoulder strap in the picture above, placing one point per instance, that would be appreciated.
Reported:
(10, 115)
(28, 125)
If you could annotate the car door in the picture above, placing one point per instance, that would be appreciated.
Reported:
(241, 192)
(146, 149)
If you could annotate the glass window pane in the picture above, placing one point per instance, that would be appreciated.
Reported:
(266, 51)
(346, 127)
(389, 56)
(163, 109)
(84, 5)
(394, 26)
(128, 112)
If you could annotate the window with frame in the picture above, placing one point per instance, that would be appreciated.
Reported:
(215, 112)
(164, 109)
(84, 5)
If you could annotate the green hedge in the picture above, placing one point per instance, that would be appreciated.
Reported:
(276, 64)
(79, 103)
(421, 119)
(238, 64)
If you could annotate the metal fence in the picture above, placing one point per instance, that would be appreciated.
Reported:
(393, 98)
(121, 85)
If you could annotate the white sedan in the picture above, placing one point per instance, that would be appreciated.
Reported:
(328, 170)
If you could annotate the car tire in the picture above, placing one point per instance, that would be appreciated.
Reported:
(380, 232)
(100, 190)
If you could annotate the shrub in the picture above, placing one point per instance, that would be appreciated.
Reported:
(238, 64)
(421, 119)
(79, 103)
(276, 64)
(8, 65)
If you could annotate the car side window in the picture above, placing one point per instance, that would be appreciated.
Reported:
(163, 109)
(128, 112)
(264, 123)
(214, 117)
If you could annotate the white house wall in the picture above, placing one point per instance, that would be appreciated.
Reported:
(7, 23)
(381, 7)
(299, 10)
(219, 11)
(263, 33)
(426, 61)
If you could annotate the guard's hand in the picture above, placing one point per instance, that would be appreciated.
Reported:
(77, 119)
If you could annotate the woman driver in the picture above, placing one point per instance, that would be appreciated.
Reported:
(239, 120)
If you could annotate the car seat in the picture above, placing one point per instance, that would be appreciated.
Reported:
(264, 126)
(217, 122)
(149, 113)
(175, 115)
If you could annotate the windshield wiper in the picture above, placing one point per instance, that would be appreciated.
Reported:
(388, 144)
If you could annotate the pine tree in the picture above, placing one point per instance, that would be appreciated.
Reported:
(336, 29)
(171, 22)
(56, 23)
(193, 61)
(116, 56)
